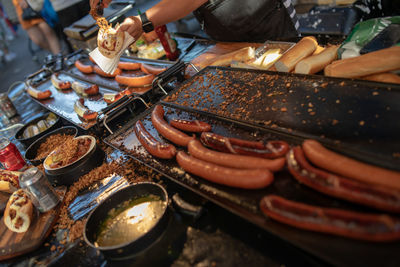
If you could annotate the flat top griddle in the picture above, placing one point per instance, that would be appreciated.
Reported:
(62, 102)
(110, 82)
(357, 118)
(244, 203)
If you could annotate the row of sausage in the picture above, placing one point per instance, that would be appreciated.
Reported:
(251, 164)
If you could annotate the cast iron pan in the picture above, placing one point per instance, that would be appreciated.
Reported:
(31, 151)
(132, 248)
(28, 141)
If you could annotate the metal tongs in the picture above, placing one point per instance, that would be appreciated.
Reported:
(100, 8)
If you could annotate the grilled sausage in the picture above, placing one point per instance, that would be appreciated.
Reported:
(129, 65)
(348, 167)
(40, 95)
(273, 149)
(60, 84)
(151, 69)
(166, 130)
(241, 178)
(107, 75)
(86, 69)
(154, 147)
(83, 111)
(85, 90)
(135, 81)
(197, 150)
(375, 196)
(370, 227)
(194, 126)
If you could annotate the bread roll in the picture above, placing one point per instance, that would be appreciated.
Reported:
(383, 60)
(302, 49)
(318, 62)
(386, 77)
(9, 181)
(19, 212)
(110, 41)
(241, 55)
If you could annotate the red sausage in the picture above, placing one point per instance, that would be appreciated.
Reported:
(87, 69)
(83, 111)
(191, 126)
(348, 167)
(151, 69)
(60, 84)
(197, 150)
(273, 149)
(166, 130)
(41, 95)
(248, 179)
(370, 227)
(154, 147)
(135, 81)
(107, 75)
(374, 196)
(128, 65)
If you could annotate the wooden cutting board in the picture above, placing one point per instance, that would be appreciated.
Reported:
(217, 50)
(14, 244)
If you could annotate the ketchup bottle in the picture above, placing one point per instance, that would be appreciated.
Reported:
(169, 45)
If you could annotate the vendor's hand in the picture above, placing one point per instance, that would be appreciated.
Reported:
(94, 3)
(133, 26)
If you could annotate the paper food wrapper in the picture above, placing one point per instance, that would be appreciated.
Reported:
(109, 65)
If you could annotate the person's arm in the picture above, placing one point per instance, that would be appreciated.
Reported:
(162, 13)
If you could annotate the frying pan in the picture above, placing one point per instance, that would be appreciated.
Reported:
(135, 246)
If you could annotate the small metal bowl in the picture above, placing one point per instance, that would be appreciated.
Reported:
(31, 151)
(28, 141)
(146, 240)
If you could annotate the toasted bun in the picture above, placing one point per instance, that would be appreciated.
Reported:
(383, 60)
(110, 42)
(240, 55)
(318, 62)
(386, 77)
(22, 212)
(302, 49)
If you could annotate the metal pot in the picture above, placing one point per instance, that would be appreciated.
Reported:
(31, 151)
(28, 141)
(141, 243)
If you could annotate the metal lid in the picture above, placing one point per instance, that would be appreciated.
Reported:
(29, 177)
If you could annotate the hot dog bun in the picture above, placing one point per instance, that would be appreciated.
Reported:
(386, 77)
(110, 41)
(9, 181)
(383, 60)
(302, 49)
(19, 212)
(241, 55)
(318, 62)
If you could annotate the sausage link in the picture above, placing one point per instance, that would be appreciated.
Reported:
(194, 126)
(273, 149)
(154, 147)
(348, 167)
(40, 95)
(86, 69)
(364, 226)
(248, 179)
(107, 75)
(197, 150)
(129, 65)
(151, 69)
(166, 130)
(135, 81)
(374, 196)
(83, 111)
(60, 84)
(85, 90)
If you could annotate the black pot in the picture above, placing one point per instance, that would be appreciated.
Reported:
(31, 151)
(71, 173)
(28, 141)
(136, 246)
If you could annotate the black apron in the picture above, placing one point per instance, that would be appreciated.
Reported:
(246, 20)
